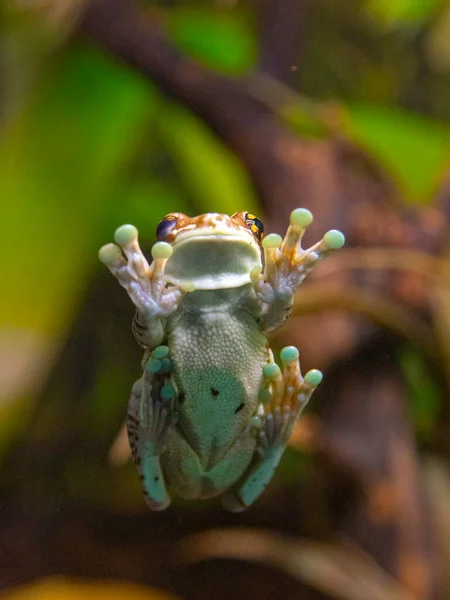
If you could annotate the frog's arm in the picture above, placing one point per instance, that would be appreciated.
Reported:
(286, 265)
(284, 396)
(150, 419)
(145, 284)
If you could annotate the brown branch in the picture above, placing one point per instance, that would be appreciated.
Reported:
(367, 429)
(319, 297)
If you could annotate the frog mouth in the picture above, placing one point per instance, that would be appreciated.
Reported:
(213, 260)
(194, 232)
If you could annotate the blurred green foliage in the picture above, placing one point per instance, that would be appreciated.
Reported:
(86, 145)
(424, 393)
(414, 149)
(85, 117)
(220, 40)
(403, 13)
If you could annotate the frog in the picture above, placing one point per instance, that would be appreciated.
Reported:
(212, 413)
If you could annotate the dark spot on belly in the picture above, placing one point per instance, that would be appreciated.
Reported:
(240, 407)
(156, 478)
(214, 392)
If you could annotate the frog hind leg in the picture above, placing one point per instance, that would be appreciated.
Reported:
(150, 418)
(284, 396)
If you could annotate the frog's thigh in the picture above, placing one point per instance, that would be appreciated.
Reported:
(185, 474)
(181, 467)
(236, 462)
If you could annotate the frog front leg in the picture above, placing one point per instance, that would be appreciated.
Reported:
(286, 265)
(145, 284)
(283, 398)
(151, 417)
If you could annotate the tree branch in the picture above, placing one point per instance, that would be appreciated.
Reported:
(366, 428)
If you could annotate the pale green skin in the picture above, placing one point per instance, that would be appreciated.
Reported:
(201, 417)
(216, 344)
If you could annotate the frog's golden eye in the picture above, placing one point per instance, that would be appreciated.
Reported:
(165, 227)
(255, 225)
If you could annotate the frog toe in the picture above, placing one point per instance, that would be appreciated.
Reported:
(156, 506)
(112, 256)
(125, 235)
(230, 501)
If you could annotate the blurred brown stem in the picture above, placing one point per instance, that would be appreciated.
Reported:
(422, 263)
(319, 297)
(366, 429)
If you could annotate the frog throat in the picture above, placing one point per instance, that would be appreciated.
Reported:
(213, 259)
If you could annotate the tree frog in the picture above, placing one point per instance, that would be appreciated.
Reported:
(212, 412)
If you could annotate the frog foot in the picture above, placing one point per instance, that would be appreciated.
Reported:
(286, 265)
(146, 284)
(156, 413)
(150, 416)
(283, 397)
(158, 363)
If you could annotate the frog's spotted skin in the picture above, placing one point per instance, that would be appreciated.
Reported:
(212, 413)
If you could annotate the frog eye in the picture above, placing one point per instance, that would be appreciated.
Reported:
(255, 225)
(165, 227)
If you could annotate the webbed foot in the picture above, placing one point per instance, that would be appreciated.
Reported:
(146, 284)
(150, 416)
(286, 265)
(283, 397)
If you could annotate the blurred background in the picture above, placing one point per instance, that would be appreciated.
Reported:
(112, 112)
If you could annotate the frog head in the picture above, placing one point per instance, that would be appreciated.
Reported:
(213, 251)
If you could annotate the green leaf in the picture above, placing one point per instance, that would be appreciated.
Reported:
(414, 149)
(220, 40)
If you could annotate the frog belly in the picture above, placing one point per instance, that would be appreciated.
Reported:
(218, 359)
